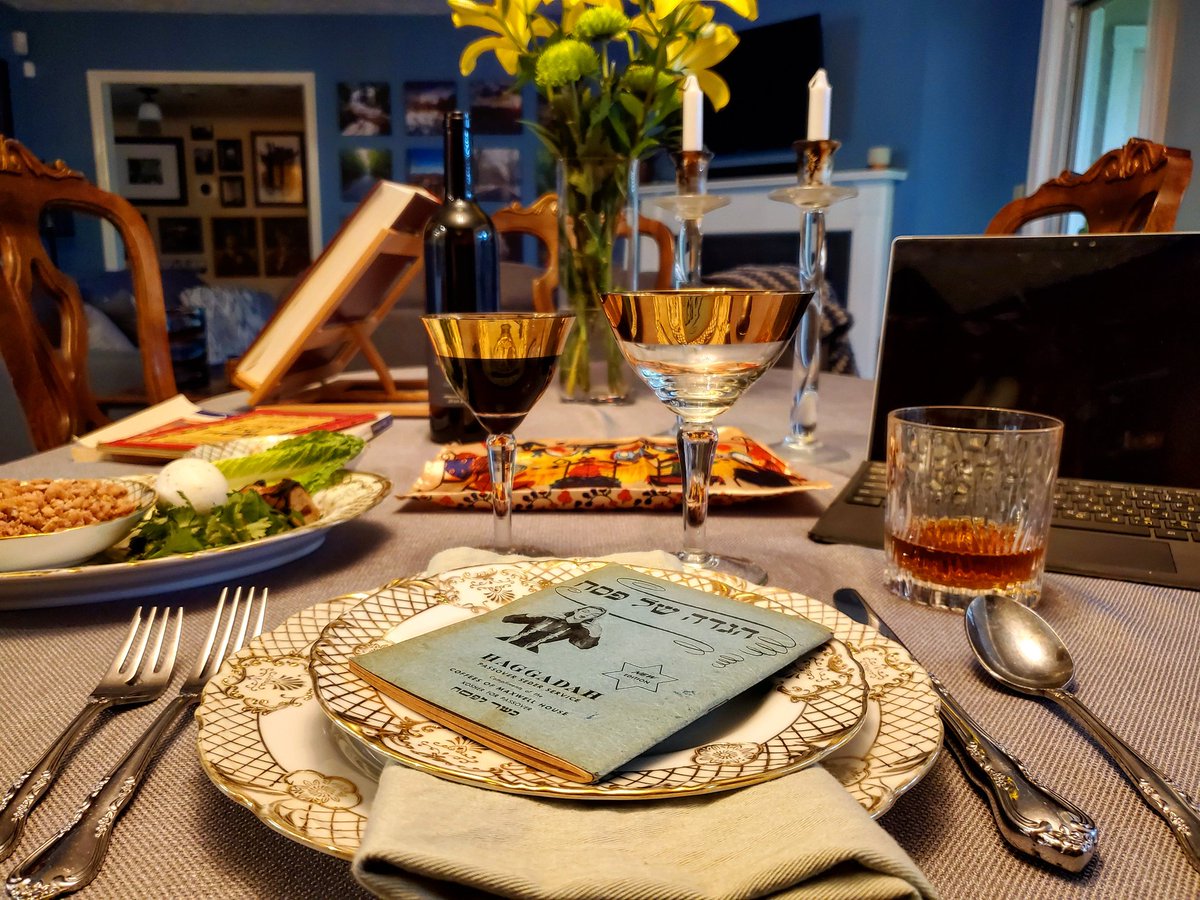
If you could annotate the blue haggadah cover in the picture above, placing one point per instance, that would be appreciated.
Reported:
(583, 676)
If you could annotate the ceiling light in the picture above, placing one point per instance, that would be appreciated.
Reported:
(149, 114)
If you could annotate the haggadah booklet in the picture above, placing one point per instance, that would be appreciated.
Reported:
(583, 676)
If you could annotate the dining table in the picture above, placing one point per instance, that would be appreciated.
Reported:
(1136, 649)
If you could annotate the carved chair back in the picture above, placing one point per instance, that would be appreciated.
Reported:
(48, 366)
(540, 220)
(1134, 188)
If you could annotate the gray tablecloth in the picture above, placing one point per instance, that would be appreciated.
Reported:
(1135, 648)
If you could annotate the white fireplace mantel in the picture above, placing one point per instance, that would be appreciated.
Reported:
(868, 218)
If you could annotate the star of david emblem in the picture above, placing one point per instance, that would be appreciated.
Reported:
(648, 678)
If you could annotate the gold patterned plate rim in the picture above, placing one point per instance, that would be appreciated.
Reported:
(354, 495)
(806, 713)
(243, 745)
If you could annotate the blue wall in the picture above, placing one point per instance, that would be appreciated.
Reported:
(948, 84)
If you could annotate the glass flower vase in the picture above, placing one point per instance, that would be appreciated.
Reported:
(597, 196)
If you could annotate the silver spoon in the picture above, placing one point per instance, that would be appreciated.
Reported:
(1019, 649)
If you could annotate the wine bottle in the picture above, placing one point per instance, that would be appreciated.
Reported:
(461, 274)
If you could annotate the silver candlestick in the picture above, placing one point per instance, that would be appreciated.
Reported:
(689, 205)
(812, 195)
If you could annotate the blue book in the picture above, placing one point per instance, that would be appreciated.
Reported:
(583, 676)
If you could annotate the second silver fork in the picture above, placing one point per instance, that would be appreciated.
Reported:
(72, 858)
(133, 677)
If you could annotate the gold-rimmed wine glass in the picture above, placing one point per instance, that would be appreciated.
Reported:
(699, 349)
(499, 364)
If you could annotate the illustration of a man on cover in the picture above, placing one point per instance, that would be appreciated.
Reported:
(577, 626)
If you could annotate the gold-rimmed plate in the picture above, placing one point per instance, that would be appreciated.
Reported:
(784, 724)
(265, 742)
(98, 580)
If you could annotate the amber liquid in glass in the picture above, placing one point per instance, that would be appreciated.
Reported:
(964, 553)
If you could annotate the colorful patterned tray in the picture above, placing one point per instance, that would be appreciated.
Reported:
(633, 473)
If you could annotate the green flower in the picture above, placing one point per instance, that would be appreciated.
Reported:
(601, 23)
(565, 63)
(640, 78)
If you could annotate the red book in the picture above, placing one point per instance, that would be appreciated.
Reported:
(178, 437)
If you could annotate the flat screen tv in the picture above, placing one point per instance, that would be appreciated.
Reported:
(768, 73)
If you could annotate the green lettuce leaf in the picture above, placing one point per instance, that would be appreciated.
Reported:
(314, 460)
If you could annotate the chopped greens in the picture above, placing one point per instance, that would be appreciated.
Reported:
(245, 516)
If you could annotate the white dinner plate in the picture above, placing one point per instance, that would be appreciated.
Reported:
(789, 721)
(265, 742)
(96, 581)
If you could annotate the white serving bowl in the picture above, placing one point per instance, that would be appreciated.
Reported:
(73, 545)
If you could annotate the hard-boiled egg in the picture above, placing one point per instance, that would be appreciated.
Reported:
(194, 481)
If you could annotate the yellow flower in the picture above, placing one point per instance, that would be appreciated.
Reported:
(694, 52)
(508, 20)
(712, 44)
(747, 9)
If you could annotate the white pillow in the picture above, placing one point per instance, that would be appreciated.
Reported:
(103, 334)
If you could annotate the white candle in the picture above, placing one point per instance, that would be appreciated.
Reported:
(819, 93)
(693, 114)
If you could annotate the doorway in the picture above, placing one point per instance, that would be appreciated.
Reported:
(1104, 75)
(200, 96)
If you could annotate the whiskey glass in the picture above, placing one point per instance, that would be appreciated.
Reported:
(970, 495)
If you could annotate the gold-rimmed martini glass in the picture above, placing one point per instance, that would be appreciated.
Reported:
(699, 349)
(499, 364)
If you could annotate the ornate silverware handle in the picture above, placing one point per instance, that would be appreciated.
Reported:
(1158, 791)
(1032, 818)
(72, 858)
(29, 787)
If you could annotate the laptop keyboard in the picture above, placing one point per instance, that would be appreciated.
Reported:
(1168, 513)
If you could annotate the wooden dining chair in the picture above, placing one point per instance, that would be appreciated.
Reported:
(664, 242)
(43, 325)
(540, 220)
(1134, 188)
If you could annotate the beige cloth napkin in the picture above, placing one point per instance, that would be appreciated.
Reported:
(802, 836)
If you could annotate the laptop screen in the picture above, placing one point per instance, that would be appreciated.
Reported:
(1101, 331)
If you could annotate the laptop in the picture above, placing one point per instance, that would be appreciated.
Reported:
(1101, 331)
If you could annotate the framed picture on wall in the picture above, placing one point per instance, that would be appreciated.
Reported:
(285, 246)
(495, 108)
(233, 190)
(498, 174)
(277, 164)
(426, 104)
(150, 171)
(364, 108)
(360, 168)
(203, 160)
(425, 165)
(202, 132)
(235, 246)
(229, 155)
(180, 234)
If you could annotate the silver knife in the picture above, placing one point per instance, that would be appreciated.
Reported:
(1032, 818)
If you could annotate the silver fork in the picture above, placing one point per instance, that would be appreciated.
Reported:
(133, 677)
(72, 858)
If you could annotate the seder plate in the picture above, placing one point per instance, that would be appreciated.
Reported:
(97, 580)
(788, 722)
(265, 742)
